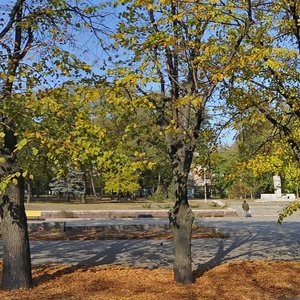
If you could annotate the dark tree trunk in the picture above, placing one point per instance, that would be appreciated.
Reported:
(181, 219)
(181, 216)
(16, 251)
(67, 197)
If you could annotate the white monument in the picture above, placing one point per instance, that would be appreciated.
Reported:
(277, 185)
(277, 196)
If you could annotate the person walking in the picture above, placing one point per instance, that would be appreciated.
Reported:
(246, 209)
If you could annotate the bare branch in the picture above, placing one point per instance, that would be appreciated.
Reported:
(28, 44)
(12, 16)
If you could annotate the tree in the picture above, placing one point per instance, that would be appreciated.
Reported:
(177, 53)
(72, 184)
(266, 88)
(34, 38)
(78, 129)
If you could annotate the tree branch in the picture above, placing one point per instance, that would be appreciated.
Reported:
(12, 15)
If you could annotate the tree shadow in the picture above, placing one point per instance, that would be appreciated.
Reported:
(262, 240)
(133, 253)
(255, 240)
(52, 276)
(221, 254)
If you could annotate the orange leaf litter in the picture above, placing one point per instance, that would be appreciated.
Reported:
(238, 280)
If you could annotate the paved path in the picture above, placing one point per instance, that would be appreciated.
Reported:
(260, 208)
(252, 238)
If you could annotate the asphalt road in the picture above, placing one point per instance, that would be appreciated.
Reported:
(259, 237)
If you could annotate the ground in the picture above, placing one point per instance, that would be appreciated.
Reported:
(240, 280)
(98, 234)
(47, 203)
(233, 281)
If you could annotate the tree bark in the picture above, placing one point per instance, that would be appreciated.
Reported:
(16, 250)
(93, 185)
(181, 216)
(83, 198)
(181, 219)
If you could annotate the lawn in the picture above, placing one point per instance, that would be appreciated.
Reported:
(46, 203)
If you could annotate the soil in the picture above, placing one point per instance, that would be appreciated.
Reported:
(98, 234)
(240, 280)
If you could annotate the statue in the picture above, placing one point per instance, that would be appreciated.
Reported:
(277, 185)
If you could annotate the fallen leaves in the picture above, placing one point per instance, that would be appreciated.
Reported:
(240, 280)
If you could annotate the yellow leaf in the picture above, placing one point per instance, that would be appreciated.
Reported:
(35, 151)
(22, 143)
(87, 67)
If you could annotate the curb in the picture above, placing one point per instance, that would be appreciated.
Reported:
(110, 214)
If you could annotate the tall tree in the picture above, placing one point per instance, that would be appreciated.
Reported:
(177, 53)
(34, 39)
(266, 88)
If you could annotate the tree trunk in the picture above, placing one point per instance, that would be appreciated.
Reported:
(181, 216)
(83, 197)
(16, 251)
(93, 185)
(28, 192)
(181, 219)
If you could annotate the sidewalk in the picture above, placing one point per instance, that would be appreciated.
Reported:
(259, 237)
(253, 238)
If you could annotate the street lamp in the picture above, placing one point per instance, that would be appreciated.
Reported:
(204, 181)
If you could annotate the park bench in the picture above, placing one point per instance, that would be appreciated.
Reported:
(34, 215)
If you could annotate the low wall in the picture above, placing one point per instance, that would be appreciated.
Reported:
(133, 213)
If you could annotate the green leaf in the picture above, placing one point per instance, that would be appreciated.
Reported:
(35, 151)
(22, 143)
(3, 186)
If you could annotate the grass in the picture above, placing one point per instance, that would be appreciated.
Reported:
(46, 203)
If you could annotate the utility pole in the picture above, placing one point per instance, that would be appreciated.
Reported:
(204, 181)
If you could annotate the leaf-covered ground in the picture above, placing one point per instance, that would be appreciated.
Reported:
(239, 280)
(124, 234)
(236, 280)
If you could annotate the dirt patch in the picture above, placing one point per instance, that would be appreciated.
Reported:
(242, 280)
(102, 234)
